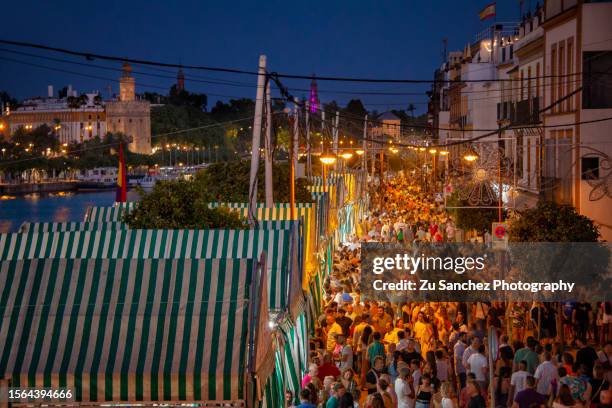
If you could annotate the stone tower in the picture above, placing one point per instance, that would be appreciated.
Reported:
(180, 80)
(127, 84)
(130, 116)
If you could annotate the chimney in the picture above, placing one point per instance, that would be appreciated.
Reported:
(50, 91)
(69, 91)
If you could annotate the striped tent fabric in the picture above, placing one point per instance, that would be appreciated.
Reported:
(71, 226)
(295, 359)
(282, 211)
(128, 330)
(274, 392)
(128, 205)
(322, 200)
(281, 247)
(105, 213)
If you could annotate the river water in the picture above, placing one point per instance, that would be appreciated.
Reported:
(52, 207)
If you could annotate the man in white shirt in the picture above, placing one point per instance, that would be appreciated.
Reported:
(518, 381)
(477, 364)
(404, 389)
(545, 374)
(346, 354)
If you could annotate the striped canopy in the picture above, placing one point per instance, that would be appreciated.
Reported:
(106, 214)
(71, 226)
(282, 211)
(281, 247)
(131, 330)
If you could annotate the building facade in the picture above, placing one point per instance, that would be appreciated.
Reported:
(577, 140)
(76, 119)
(549, 94)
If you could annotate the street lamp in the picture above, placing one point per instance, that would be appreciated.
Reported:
(359, 152)
(443, 152)
(470, 155)
(433, 151)
(347, 155)
(327, 159)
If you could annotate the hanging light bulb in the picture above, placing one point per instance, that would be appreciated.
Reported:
(470, 155)
(327, 158)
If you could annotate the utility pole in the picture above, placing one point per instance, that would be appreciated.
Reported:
(364, 160)
(269, 187)
(261, 83)
(293, 148)
(336, 137)
(308, 147)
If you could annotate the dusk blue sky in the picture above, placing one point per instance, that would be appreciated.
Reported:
(383, 39)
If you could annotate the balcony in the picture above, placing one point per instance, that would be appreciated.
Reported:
(526, 112)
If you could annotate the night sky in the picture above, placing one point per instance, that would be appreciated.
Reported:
(382, 39)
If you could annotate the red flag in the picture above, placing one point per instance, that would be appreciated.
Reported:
(487, 12)
(121, 178)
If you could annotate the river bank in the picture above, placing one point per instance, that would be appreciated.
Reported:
(45, 187)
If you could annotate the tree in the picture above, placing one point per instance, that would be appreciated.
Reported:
(411, 108)
(180, 204)
(553, 242)
(552, 222)
(229, 182)
(7, 99)
(185, 98)
(471, 217)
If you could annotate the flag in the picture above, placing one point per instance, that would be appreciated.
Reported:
(121, 178)
(487, 12)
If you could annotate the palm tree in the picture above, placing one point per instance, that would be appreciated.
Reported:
(411, 108)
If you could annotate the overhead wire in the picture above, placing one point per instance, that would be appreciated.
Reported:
(91, 55)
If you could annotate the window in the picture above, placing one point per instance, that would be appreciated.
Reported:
(590, 168)
(596, 76)
(553, 73)
(529, 162)
(570, 70)
(529, 82)
(538, 80)
(561, 72)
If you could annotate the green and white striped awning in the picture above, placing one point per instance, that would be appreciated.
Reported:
(282, 211)
(106, 213)
(128, 330)
(281, 246)
(71, 226)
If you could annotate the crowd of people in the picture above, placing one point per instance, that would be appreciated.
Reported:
(438, 354)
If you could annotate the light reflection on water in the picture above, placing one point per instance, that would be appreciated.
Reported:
(52, 207)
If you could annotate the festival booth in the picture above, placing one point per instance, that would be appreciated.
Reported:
(137, 331)
(71, 226)
(282, 212)
(280, 246)
(291, 360)
(107, 213)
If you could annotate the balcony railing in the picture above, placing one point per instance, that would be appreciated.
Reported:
(526, 112)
